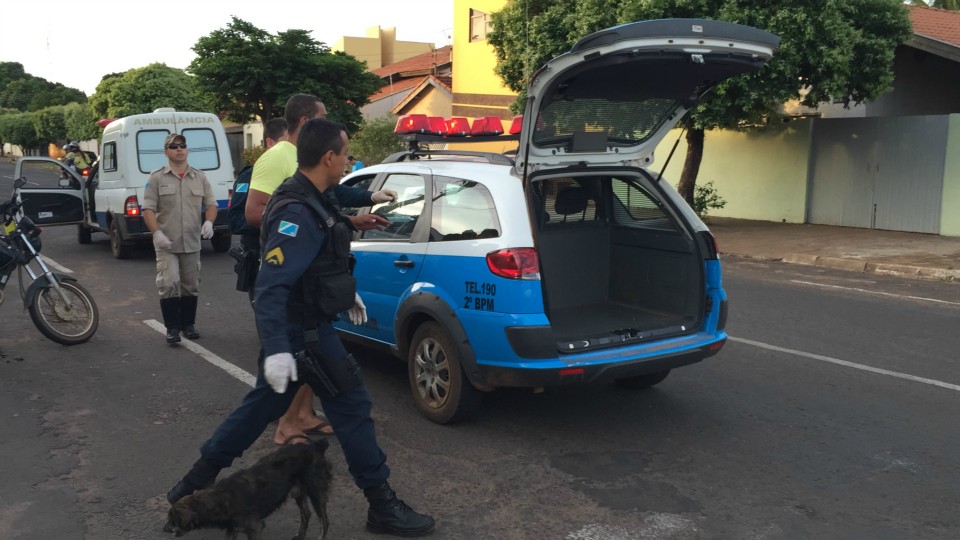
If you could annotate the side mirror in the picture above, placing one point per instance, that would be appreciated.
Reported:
(19, 182)
(65, 183)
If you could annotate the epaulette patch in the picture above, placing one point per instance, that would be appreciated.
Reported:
(242, 188)
(287, 228)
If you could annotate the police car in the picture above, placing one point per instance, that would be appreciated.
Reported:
(570, 261)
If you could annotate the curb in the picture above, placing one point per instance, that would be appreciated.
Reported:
(858, 265)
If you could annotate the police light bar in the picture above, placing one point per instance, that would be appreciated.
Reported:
(516, 124)
(412, 123)
(458, 126)
(487, 125)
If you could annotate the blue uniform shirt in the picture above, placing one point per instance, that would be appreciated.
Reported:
(294, 240)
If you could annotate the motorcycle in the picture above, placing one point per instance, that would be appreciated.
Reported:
(60, 308)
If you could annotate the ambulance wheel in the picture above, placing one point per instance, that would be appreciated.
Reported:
(640, 382)
(221, 241)
(83, 234)
(118, 247)
(441, 390)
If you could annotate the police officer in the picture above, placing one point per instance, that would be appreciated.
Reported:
(303, 282)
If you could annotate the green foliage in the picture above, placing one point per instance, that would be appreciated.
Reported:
(249, 156)
(376, 140)
(24, 92)
(144, 89)
(706, 198)
(80, 122)
(249, 73)
(19, 129)
(50, 124)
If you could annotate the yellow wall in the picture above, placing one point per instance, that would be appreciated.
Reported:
(949, 217)
(473, 63)
(761, 174)
(363, 49)
(431, 102)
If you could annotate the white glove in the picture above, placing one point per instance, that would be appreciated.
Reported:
(358, 313)
(160, 240)
(384, 195)
(278, 369)
(206, 232)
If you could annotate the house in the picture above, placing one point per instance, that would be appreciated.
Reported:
(421, 84)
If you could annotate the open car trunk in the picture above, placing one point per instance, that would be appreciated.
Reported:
(618, 264)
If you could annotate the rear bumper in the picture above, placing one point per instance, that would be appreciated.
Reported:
(553, 375)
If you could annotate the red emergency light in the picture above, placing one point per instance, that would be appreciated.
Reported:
(458, 126)
(516, 124)
(412, 123)
(487, 125)
(438, 125)
(104, 122)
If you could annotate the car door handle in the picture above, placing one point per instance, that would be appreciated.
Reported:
(403, 264)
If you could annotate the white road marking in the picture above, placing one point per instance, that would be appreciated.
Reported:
(922, 298)
(231, 369)
(914, 378)
(57, 266)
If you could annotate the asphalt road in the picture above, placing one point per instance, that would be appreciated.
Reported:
(831, 413)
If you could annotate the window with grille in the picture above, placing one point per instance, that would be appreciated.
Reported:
(633, 206)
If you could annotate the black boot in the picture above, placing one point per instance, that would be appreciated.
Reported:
(170, 307)
(201, 476)
(188, 315)
(390, 515)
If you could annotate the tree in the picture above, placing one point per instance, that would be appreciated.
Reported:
(24, 92)
(830, 50)
(249, 73)
(50, 124)
(18, 129)
(80, 122)
(376, 140)
(144, 89)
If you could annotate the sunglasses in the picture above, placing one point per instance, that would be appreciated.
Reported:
(175, 146)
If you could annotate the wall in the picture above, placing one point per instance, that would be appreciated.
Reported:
(949, 216)
(762, 174)
(477, 90)
(364, 49)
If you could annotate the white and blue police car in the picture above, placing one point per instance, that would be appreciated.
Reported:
(570, 261)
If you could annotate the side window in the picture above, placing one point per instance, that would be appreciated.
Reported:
(635, 207)
(462, 210)
(480, 25)
(402, 213)
(108, 162)
(360, 182)
(47, 175)
(202, 149)
(150, 156)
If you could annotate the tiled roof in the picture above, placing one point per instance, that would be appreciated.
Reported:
(939, 24)
(419, 64)
(403, 85)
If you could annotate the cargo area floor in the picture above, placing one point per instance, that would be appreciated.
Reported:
(594, 319)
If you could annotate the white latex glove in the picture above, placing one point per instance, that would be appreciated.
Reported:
(278, 369)
(160, 240)
(384, 195)
(206, 231)
(358, 313)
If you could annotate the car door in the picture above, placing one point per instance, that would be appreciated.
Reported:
(53, 194)
(389, 259)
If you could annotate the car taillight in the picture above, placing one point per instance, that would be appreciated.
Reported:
(515, 263)
(85, 172)
(229, 197)
(131, 207)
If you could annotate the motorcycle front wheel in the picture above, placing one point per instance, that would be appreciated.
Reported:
(65, 325)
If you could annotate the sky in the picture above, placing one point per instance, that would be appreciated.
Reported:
(76, 43)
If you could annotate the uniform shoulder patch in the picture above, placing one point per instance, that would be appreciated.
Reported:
(242, 188)
(274, 257)
(287, 228)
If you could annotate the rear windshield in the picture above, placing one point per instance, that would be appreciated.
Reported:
(201, 147)
(623, 122)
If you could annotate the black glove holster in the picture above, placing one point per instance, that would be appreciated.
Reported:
(327, 377)
(246, 267)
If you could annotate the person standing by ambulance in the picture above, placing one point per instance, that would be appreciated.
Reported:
(172, 204)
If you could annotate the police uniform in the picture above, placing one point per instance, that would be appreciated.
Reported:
(295, 241)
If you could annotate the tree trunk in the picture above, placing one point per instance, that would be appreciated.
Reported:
(691, 166)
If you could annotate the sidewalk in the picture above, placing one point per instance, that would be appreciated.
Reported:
(862, 250)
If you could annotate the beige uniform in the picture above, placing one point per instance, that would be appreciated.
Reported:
(179, 204)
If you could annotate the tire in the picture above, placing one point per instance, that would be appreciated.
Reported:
(441, 390)
(83, 234)
(221, 242)
(640, 382)
(118, 247)
(67, 327)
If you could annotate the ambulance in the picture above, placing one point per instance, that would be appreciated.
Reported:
(108, 200)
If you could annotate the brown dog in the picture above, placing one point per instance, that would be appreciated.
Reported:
(243, 500)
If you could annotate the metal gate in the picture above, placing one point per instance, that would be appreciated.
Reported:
(878, 172)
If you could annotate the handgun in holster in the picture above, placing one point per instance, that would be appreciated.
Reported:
(325, 376)
(246, 267)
